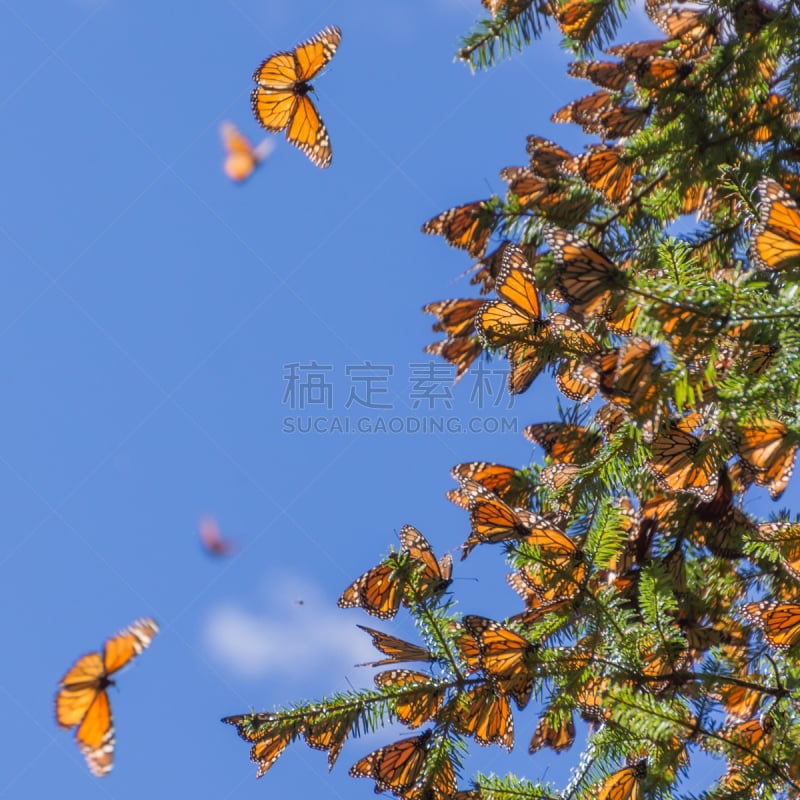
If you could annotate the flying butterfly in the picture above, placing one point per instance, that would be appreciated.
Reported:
(396, 767)
(776, 238)
(214, 543)
(82, 700)
(779, 621)
(467, 227)
(280, 100)
(396, 649)
(241, 157)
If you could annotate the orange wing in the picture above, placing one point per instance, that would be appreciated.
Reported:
(127, 644)
(779, 621)
(487, 715)
(776, 239)
(607, 170)
(378, 591)
(467, 227)
(307, 132)
(240, 155)
(557, 737)
(396, 767)
(79, 687)
(396, 649)
(312, 55)
(623, 784)
(95, 736)
(679, 464)
(433, 576)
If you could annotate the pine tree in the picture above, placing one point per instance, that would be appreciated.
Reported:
(655, 277)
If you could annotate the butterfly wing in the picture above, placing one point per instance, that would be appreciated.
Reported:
(240, 156)
(273, 108)
(396, 649)
(127, 644)
(396, 767)
(95, 736)
(307, 132)
(79, 687)
(776, 239)
(312, 55)
(467, 227)
(487, 716)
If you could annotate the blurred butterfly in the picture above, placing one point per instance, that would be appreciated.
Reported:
(769, 450)
(776, 238)
(396, 767)
(584, 276)
(82, 699)
(467, 227)
(280, 101)
(694, 28)
(505, 657)
(554, 199)
(241, 158)
(779, 621)
(624, 784)
(786, 538)
(518, 310)
(608, 74)
(396, 649)
(537, 602)
(557, 734)
(585, 110)
(417, 699)
(212, 540)
(680, 463)
(607, 170)
(269, 742)
(619, 122)
(657, 74)
(486, 714)
(633, 53)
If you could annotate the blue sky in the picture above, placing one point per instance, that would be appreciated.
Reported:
(150, 312)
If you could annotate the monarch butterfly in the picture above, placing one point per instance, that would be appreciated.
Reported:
(537, 602)
(268, 744)
(617, 123)
(460, 352)
(525, 184)
(624, 784)
(281, 98)
(396, 767)
(455, 317)
(518, 310)
(82, 699)
(505, 657)
(656, 74)
(633, 53)
(508, 483)
(432, 576)
(575, 382)
(768, 449)
(695, 29)
(627, 376)
(779, 621)
(776, 238)
(606, 169)
(563, 442)
(493, 520)
(417, 700)
(212, 540)
(396, 649)
(739, 702)
(585, 110)
(680, 463)
(584, 276)
(378, 591)
(608, 74)
(557, 571)
(558, 476)
(241, 158)
(467, 227)
(553, 198)
(329, 733)
(486, 714)
(546, 157)
(578, 18)
(558, 737)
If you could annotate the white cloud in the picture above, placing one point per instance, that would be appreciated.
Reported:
(287, 640)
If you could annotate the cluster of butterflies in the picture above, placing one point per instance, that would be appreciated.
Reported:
(280, 102)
